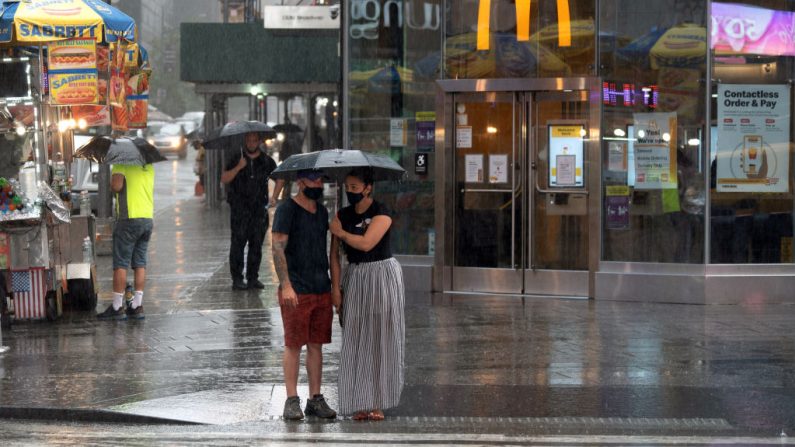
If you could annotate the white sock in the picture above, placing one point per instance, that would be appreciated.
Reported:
(118, 298)
(138, 298)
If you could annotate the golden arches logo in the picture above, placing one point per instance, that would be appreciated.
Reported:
(522, 23)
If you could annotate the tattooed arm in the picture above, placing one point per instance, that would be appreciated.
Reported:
(280, 264)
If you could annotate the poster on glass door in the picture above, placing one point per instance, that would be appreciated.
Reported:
(753, 138)
(654, 144)
(566, 155)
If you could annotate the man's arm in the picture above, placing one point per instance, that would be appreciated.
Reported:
(117, 183)
(277, 189)
(228, 176)
(279, 245)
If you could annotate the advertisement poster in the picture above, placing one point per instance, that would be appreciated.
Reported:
(397, 132)
(138, 100)
(72, 72)
(498, 169)
(463, 137)
(655, 150)
(426, 131)
(566, 155)
(617, 207)
(617, 156)
(72, 54)
(474, 168)
(753, 138)
(118, 71)
(94, 115)
(75, 88)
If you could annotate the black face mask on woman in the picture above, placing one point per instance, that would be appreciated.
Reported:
(313, 193)
(354, 197)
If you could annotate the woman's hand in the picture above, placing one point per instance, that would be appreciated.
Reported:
(336, 227)
(336, 299)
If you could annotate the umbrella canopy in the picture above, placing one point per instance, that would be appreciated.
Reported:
(287, 128)
(120, 151)
(336, 163)
(39, 21)
(233, 134)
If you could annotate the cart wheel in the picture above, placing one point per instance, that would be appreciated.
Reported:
(52, 309)
(82, 295)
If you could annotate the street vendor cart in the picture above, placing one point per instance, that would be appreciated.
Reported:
(56, 78)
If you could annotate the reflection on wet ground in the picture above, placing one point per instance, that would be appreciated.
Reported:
(208, 354)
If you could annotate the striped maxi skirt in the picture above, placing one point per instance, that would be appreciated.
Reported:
(373, 336)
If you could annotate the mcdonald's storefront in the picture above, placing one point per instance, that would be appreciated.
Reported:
(611, 149)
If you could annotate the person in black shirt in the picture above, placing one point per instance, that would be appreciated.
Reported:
(373, 335)
(300, 232)
(247, 178)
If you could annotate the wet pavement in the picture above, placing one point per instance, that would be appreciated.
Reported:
(479, 369)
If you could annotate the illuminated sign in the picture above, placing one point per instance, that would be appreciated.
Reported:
(627, 95)
(522, 22)
(742, 29)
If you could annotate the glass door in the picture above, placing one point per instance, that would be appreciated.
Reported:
(489, 176)
(557, 139)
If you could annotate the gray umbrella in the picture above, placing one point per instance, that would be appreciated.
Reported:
(120, 151)
(233, 134)
(336, 163)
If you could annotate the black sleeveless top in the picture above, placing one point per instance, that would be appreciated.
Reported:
(357, 224)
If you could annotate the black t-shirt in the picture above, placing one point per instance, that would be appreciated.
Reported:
(357, 224)
(307, 259)
(249, 188)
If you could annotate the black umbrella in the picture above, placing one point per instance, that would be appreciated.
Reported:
(287, 128)
(233, 135)
(336, 163)
(121, 151)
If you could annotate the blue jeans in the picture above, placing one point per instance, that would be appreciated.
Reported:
(130, 242)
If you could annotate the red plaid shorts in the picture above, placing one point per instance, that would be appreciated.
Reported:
(309, 322)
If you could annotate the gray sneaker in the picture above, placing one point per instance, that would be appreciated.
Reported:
(317, 406)
(292, 409)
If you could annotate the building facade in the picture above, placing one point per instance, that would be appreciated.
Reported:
(611, 149)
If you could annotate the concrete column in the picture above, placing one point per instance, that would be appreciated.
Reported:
(310, 122)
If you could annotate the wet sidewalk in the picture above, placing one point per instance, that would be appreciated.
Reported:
(474, 364)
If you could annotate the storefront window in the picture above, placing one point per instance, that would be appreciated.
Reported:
(751, 190)
(653, 126)
(519, 39)
(394, 57)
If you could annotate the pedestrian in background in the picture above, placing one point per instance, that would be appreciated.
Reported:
(369, 298)
(134, 187)
(247, 175)
(300, 228)
(198, 167)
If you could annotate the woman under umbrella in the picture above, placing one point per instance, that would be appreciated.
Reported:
(373, 338)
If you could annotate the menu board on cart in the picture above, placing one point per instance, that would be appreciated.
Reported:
(753, 138)
(72, 71)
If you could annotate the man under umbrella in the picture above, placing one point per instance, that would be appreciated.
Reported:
(247, 176)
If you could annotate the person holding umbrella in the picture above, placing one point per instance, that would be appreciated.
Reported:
(133, 182)
(247, 176)
(373, 336)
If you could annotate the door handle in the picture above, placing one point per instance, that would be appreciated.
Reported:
(487, 190)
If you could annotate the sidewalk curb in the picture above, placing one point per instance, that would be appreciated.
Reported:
(85, 415)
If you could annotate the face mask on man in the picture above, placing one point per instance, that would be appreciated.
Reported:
(313, 193)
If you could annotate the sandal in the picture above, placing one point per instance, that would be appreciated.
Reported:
(374, 415)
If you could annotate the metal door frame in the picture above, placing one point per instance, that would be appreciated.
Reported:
(549, 282)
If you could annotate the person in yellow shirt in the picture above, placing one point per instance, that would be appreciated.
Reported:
(134, 188)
